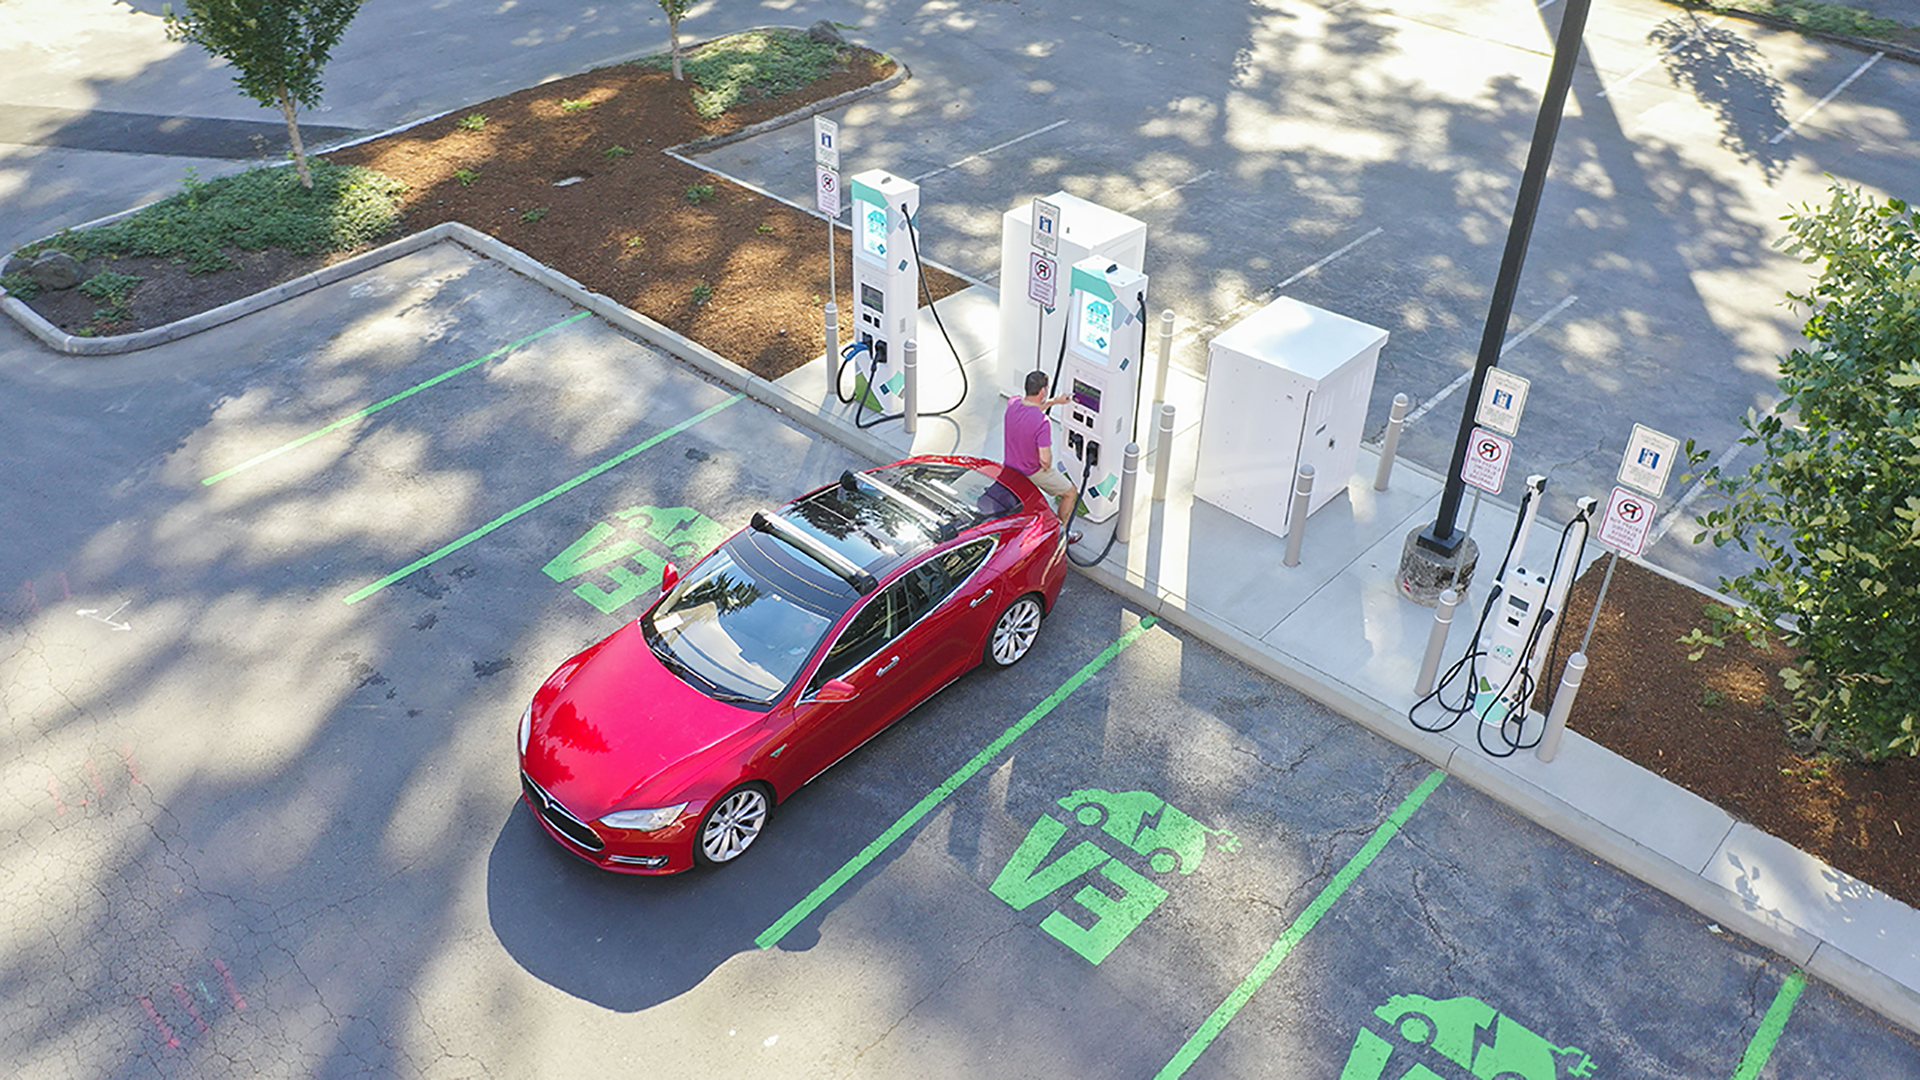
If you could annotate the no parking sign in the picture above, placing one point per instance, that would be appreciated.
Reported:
(1485, 466)
(1629, 518)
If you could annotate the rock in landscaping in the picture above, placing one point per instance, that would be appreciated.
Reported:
(16, 264)
(825, 33)
(57, 270)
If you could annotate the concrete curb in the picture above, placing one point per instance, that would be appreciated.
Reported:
(1896, 51)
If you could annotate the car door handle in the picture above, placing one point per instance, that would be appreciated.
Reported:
(976, 601)
(888, 667)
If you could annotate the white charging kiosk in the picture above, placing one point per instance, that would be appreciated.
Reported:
(1101, 375)
(1030, 336)
(886, 286)
(1286, 386)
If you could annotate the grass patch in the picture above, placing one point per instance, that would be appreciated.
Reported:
(1812, 14)
(471, 122)
(466, 176)
(574, 105)
(534, 215)
(752, 66)
(702, 293)
(699, 193)
(262, 208)
(615, 151)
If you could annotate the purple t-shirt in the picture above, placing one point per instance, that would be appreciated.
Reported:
(1027, 430)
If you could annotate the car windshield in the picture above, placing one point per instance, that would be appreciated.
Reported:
(728, 629)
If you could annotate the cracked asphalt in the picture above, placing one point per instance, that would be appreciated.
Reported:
(254, 829)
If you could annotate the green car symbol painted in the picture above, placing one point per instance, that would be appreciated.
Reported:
(1477, 1037)
(1150, 825)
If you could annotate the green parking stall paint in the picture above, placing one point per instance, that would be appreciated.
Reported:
(1343, 879)
(1760, 1048)
(1145, 824)
(534, 504)
(383, 403)
(686, 533)
(795, 915)
(1462, 1030)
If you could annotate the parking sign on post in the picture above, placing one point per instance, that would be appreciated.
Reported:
(1043, 277)
(1628, 520)
(1485, 466)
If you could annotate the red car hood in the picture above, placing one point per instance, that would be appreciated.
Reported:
(621, 722)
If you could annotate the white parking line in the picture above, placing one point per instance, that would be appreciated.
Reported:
(1831, 94)
(1508, 344)
(1269, 293)
(1664, 53)
(1169, 191)
(988, 150)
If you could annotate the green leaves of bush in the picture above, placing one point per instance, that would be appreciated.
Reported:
(1833, 509)
(262, 208)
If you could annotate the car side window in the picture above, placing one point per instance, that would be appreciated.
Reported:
(873, 626)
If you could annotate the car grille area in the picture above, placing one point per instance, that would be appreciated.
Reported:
(560, 817)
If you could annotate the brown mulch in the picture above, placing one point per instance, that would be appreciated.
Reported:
(1715, 727)
(630, 230)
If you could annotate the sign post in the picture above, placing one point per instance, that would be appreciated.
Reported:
(826, 170)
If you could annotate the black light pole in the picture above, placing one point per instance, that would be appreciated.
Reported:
(1441, 536)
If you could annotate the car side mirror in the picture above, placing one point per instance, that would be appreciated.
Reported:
(835, 690)
(669, 577)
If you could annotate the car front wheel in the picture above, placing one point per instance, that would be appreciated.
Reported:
(1014, 632)
(731, 825)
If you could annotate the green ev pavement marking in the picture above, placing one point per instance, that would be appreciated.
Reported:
(1467, 1032)
(1144, 822)
(1210, 1028)
(378, 405)
(795, 915)
(1761, 1047)
(687, 534)
(534, 504)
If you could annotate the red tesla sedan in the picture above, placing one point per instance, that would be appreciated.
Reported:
(667, 744)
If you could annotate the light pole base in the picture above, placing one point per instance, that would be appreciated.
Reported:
(1426, 573)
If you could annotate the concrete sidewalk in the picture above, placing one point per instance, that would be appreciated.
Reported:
(1336, 628)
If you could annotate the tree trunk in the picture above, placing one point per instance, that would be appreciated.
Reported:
(673, 38)
(293, 133)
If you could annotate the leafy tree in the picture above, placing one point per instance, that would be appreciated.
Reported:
(279, 48)
(676, 10)
(1833, 509)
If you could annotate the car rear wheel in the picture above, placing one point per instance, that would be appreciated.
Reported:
(731, 825)
(1014, 631)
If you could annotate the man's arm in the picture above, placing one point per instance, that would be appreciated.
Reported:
(1046, 457)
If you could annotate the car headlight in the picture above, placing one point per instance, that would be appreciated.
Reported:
(526, 728)
(643, 820)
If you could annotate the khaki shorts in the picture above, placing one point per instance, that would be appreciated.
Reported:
(1052, 481)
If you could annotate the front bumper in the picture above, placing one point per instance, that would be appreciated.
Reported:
(663, 851)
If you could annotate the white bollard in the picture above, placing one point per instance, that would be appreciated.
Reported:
(1297, 515)
(1160, 367)
(1436, 642)
(1163, 456)
(1129, 485)
(910, 394)
(833, 352)
(1562, 705)
(1396, 419)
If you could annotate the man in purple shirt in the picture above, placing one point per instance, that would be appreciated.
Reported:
(1029, 446)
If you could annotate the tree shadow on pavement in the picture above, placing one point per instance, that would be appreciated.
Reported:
(1727, 74)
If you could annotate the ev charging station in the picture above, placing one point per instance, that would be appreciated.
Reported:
(1100, 373)
(886, 287)
(1030, 335)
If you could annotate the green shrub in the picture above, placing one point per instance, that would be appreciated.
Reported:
(754, 65)
(20, 285)
(109, 285)
(254, 210)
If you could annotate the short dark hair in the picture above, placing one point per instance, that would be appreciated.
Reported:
(1036, 382)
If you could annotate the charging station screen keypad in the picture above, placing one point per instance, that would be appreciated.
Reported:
(873, 229)
(873, 298)
(1096, 324)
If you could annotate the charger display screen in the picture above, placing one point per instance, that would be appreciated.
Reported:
(1096, 323)
(873, 298)
(1087, 397)
(873, 228)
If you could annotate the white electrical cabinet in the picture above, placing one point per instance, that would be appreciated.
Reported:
(1286, 386)
(1030, 338)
